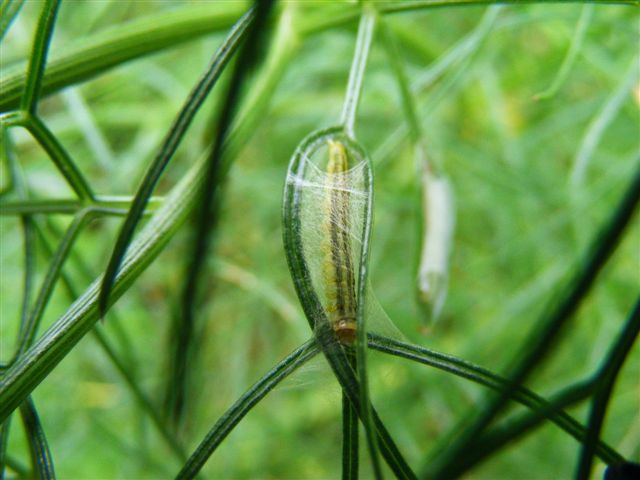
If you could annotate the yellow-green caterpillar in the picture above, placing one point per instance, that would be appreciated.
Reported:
(337, 265)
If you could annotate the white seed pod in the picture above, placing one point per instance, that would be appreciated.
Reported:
(433, 273)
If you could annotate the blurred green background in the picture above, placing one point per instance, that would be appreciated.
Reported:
(522, 227)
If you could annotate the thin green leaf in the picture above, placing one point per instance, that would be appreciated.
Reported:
(28, 235)
(176, 133)
(244, 404)
(503, 435)
(550, 326)
(38, 446)
(38, 58)
(29, 328)
(407, 99)
(356, 74)
(5, 428)
(126, 370)
(59, 156)
(114, 206)
(282, 49)
(349, 437)
(608, 373)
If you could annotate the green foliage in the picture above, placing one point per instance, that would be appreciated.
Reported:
(530, 110)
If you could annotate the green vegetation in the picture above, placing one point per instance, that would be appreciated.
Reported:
(145, 149)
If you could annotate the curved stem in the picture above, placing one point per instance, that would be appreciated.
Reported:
(38, 58)
(541, 408)
(243, 405)
(41, 459)
(28, 329)
(607, 377)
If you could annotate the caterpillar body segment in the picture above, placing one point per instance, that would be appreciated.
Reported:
(337, 267)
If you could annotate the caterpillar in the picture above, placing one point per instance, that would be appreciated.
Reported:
(337, 263)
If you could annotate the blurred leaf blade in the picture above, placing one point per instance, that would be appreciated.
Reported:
(119, 45)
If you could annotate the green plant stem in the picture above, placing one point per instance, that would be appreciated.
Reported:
(143, 400)
(358, 65)
(461, 54)
(282, 49)
(29, 328)
(21, 470)
(38, 445)
(38, 58)
(607, 376)
(126, 347)
(361, 324)
(115, 205)
(346, 376)
(243, 405)
(5, 429)
(505, 434)
(350, 442)
(550, 326)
